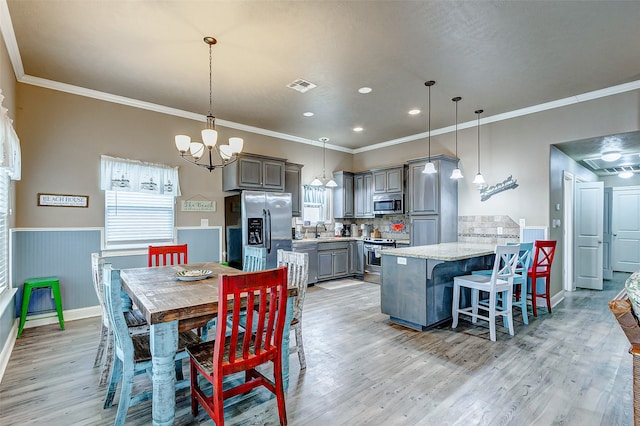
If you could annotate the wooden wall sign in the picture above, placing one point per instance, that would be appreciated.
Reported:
(63, 200)
(198, 206)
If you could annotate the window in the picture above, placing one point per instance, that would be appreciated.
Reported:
(135, 219)
(317, 204)
(139, 202)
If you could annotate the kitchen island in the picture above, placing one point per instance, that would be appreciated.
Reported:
(417, 282)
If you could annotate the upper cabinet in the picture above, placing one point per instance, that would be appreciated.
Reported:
(433, 201)
(293, 185)
(432, 193)
(343, 195)
(390, 179)
(363, 195)
(254, 172)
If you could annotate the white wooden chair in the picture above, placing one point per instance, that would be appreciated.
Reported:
(133, 317)
(500, 281)
(297, 275)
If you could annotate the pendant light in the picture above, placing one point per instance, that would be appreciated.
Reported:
(456, 173)
(479, 179)
(429, 168)
(330, 183)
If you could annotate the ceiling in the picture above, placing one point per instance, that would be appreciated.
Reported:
(506, 57)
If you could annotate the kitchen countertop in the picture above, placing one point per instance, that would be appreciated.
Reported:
(326, 240)
(444, 251)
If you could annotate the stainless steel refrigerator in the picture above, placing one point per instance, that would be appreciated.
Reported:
(257, 218)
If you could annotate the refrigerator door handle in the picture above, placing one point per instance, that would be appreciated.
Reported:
(267, 241)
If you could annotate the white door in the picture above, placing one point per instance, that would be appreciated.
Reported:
(607, 236)
(626, 229)
(589, 208)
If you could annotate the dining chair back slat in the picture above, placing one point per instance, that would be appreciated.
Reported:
(255, 259)
(167, 255)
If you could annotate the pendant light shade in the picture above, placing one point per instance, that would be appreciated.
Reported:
(329, 183)
(429, 168)
(479, 179)
(456, 173)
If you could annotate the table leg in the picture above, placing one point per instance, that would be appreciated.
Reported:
(286, 343)
(164, 343)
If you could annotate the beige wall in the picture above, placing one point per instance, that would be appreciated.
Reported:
(517, 147)
(63, 136)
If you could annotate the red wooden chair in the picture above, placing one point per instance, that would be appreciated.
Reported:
(541, 268)
(167, 255)
(234, 349)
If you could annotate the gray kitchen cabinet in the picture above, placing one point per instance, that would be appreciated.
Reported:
(325, 265)
(254, 172)
(388, 180)
(356, 258)
(433, 201)
(312, 250)
(293, 185)
(343, 195)
(424, 230)
(333, 260)
(363, 195)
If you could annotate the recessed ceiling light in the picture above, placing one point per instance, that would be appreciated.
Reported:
(365, 90)
(414, 112)
(625, 174)
(308, 114)
(611, 156)
(358, 129)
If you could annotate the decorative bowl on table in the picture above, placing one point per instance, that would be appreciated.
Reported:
(193, 275)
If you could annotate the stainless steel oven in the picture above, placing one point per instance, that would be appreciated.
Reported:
(372, 257)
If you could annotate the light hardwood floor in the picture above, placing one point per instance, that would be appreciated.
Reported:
(568, 368)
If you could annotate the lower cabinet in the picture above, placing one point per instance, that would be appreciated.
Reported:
(356, 257)
(312, 250)
(332, 259)
(332, 263)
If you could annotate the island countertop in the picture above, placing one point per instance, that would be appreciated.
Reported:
(443, 251)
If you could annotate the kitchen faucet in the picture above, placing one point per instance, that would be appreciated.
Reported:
(323, 225)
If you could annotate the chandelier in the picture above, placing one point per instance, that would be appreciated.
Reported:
(224, 154)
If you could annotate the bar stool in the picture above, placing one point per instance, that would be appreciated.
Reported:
(34, 283)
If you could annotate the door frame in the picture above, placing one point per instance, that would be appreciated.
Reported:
(568, 199)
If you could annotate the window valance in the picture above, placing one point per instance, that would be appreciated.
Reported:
(10, 157)
(119, 174)
(314, 194)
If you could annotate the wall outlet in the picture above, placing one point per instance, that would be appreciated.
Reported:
(402, 260)
(204, 222)
(522, 223)
(500, 230)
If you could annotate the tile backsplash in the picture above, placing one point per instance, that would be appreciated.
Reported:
(472, 229)
(488, 229)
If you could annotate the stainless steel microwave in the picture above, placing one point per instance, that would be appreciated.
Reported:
(388, 203)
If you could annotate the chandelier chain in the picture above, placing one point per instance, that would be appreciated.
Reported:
(210, 82)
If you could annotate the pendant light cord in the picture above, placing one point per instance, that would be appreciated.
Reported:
(479, 112)
(429, 84)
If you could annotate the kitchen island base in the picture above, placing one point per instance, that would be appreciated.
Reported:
(417, 292)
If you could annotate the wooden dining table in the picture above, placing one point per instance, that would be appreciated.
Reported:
(171, 305)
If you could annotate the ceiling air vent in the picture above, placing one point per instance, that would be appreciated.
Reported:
(301, 85)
